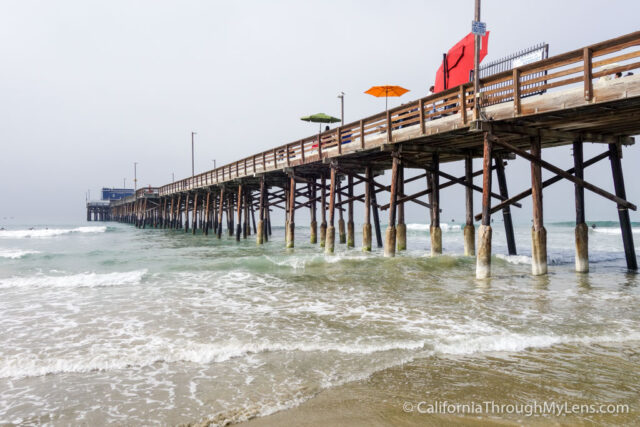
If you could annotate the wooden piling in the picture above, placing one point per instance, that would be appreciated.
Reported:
(366, 228)
(341, 229)
(195, 214)
(292, 210)
(401, 228)
(313, 227)
(538, 232)
(239, 214)
(331, 230)
(434, 230)
(350, 226)
(483, 259)
(506, 211)
(469, 228)
(220, 211)
(623, 212)
(323, 210)
(261, 202)
(581, 231)
(376, 216)
(186, 214)
(390, 237)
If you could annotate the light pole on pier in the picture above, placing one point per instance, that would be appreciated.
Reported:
(341, 96)
(476, 65)
(124, 183)
(214, 163)
(135, 176)
(192, 161)
(173, 178)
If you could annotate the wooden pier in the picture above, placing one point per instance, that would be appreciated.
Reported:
(583, 96)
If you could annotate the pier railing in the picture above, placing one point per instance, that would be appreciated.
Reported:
(571, 69)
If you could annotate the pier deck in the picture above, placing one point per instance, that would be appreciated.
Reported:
(572, 98)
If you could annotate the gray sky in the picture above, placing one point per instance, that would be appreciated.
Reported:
(88, 87)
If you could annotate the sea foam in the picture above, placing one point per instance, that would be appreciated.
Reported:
(82, 280)
(16, 253)
(49, 232)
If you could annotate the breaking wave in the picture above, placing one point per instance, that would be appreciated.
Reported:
(48, 232)
(83, 280)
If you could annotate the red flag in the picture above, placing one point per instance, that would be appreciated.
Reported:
(459, 62)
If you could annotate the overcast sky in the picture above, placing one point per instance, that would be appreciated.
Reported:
(89, 87)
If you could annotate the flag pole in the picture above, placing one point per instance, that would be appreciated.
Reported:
(476, 67)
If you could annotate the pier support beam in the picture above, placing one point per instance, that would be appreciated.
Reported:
(292, 211)
(623, 212)
(330, 240)
(351, 241)
(194, 224)
(341, 228)
(483, 259)
(390, 236)
(239, 214)
(313, 226)
(401, 228)
(506, 211)
(469, 228)
(582, 231)
(323, 209)
(366, 228)
(186, 214)
(220, 211)
(538, 232)
(375, 213)
(434, 230)
(261, 203)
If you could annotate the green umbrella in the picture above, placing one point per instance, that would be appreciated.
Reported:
(320, 118)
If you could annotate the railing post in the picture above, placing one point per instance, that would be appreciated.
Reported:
(275, 159)
(320, 146)
(516, 91)
(588, 85)
(389, 126)
(287, 148)
(421, 111)
(361, 133)
(463, 106)
(253, 161)
(339, 138)
(302, 150)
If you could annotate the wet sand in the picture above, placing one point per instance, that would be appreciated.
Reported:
(583, 375)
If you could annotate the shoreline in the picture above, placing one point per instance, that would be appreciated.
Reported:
(489, 377)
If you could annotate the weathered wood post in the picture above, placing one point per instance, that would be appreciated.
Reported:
(341, 228)
(390, 237)
(582, 231)
(350, 227)
(261, 202)
(220, 211)
(434, 230)
(375, 213)
(401, 228)
(311, 192)
(483, 259)
(506, 211)
(195, 214)
(366, 228)
(214, 214)
(538, 232)
(292, 212)
(245, 223)
(469, 228)
(623, 212)
(253, 216)
(330, 240)
(186, 214)
(239, 214)
(323, 206)
(207, 213)
(230, 205)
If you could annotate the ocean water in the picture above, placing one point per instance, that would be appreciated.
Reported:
(105, 323)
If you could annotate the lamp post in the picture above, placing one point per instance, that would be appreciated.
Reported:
(135, 176)
(192, 162)
(214, 163)
(173, 179)
(341, 96)
(476, 66)
(124, 183)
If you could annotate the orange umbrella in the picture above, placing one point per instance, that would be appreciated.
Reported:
(387, 91)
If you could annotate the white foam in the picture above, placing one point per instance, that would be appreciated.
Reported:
(515, 259)
(612, 230)
(155, 349)
(51, 232)
(445, 227)
(83, 280)
(514, 342)
(16, 253)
